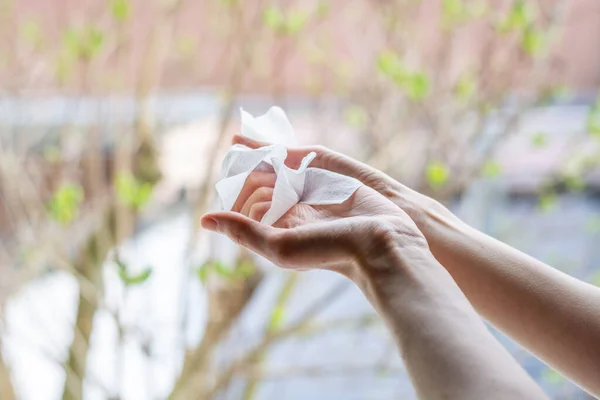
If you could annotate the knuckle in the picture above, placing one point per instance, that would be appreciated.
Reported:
(382, 234)
(320, 149)
(388, 234)
(252, 179)
(257, 210)
(264, 191)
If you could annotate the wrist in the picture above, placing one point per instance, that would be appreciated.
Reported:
(397, 262)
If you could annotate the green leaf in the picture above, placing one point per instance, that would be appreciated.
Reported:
(520, 15)
(437, 175)
(83, 44)
(465, 87)
(390, 65)
(132, 279)
(417, 86)
(273, 18)
(120, 10)
(278, 311)
(222, 270)
(277, 317)
(552, 377)
(539, 140)
(574, 183)
(533, 41)
(32, 33)
(491, 169)
(355, 116)
(65, 202)
(453, 11)
(203, 271)
(245, 269)
(295, 21)
(547, 202)
(132, 192)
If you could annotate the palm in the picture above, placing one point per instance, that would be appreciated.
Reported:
(364, 202)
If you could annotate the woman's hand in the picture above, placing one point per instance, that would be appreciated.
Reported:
(337, 237)
(561, 322)
(372, 241)
(419, 207)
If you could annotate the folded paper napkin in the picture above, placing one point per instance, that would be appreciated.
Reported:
(305, 185)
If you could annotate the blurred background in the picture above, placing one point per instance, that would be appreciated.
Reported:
(114, 118)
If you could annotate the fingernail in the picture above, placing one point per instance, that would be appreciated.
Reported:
(211, 224)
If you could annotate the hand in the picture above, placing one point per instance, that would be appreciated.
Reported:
(415, 204)
(374, 242)
(352, 238)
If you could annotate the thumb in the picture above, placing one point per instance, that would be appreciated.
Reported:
(240, 229)
(308, 246)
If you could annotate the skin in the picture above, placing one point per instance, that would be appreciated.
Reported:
(555, 316)
(447, 349)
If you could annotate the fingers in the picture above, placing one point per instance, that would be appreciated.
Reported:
(310, 246)
(253, 144)
(325, 159)
(258, 203)
(254, 181)
(258, 210)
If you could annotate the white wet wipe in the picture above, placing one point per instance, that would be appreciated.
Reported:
(303, 185)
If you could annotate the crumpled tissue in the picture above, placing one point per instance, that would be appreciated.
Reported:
(305, 185)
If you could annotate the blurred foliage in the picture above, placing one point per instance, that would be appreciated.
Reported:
(460, 11)
(418, 91)
(120, 10)
(539, 140)
(32, 33)
(520, 16)
(132, 279)
(65, 203)
(278, 312)
(186, 45)
(356, 116)
(547, 201)
(593, 119)
(244, 269)
(52, 154)
(533, 41)
(132, 192)
(83, 44)
(491, 169)
(553, 93)
(437, 175)
(466, 86)
(414, 84)
(290, 23)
